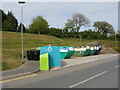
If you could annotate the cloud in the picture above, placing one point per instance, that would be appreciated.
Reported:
(56, 13)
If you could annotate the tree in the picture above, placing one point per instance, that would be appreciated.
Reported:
(39, 26)
(19, 28)
(69, 25)
(104, 28)
(56, 32)
(76, 22)
(7, 26)
(2, 18)
(2, 15)
(12, 20)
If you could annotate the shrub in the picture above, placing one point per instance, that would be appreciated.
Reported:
(117, 49)
(5, 66)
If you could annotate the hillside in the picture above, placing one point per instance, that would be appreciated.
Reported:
(11, 45)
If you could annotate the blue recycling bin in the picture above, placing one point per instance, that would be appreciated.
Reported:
(54, 54)
(99, 48)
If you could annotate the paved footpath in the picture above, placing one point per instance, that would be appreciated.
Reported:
(25, 69)
(81, 60)
(33, 66)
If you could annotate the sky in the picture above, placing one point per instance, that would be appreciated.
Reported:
(56, 13)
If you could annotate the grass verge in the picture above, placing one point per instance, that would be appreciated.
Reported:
(11, 46)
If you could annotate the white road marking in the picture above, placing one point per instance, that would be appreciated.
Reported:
(88, 79)
(117, 66)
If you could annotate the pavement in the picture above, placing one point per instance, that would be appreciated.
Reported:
(28, 68)
(31, 67)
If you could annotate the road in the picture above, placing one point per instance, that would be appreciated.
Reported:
(99, 74)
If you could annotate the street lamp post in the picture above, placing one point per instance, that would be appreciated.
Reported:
(21, 2)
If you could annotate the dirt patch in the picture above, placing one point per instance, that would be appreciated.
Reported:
(108, 50)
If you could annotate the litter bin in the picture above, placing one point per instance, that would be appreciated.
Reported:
(54, 54)
(33, 54)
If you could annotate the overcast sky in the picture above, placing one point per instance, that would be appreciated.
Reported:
(56, 13)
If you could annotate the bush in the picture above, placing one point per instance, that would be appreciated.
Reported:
(116, 49)
(5, 66)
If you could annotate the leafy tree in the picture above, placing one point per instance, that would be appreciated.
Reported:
(7, 26)
(76, 22)
(12, 20)
(39, 26)
(69, 25)
(65, 32)
(104, 27)
(56, 32)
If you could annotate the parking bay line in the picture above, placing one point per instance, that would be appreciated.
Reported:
(88, 79)
(18, 78)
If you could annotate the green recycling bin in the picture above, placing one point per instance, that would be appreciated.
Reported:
(44, 62)
(83, 51)
(77, 51)
(63, 52)
(38, 48)
(70, 52)
(88, 50)
(93, 50)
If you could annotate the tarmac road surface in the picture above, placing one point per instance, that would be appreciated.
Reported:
(99, 74)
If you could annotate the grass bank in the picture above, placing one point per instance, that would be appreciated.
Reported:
(11, 46)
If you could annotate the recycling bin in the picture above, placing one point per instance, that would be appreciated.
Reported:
(33, 54)
(100, 46)
(97, 49)
(87, 52)
(54, 54)
(92, 50)
(71, 52)
(82, 51)
(77, 51)
(38, 48)
(63, 52)
(44, 62)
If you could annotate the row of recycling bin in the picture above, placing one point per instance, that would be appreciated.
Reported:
(49, 56)
(67, 52)
(88, 50)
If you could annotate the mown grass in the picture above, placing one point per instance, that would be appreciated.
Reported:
(11, 46)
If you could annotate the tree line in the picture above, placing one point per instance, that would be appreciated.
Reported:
(102, 29)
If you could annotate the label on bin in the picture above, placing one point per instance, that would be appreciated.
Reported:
(71, 48)
(63, 50)
(49, 49)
